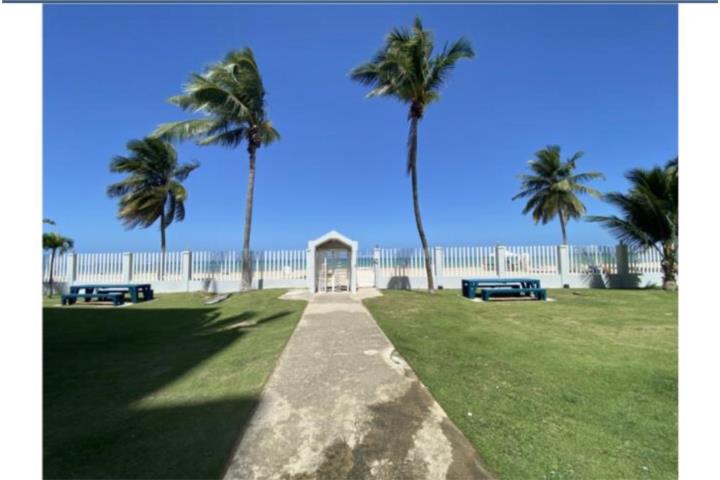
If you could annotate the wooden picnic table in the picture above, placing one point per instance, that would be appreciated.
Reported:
(134, 289)
(470, 285)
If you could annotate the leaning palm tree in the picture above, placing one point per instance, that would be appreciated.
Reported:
(406, 69)
(152, 190)
(231, 96)
(553, 188)
(55, 243)
(648, 215)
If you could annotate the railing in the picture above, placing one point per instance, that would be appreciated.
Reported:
(592, 259)
(59, 268)
(402, 262)
(148, 266)
(99, 267)
(451, 263)
(645, 261)
(281, 264)
(469, 261)
(533, 260)
(216, 265)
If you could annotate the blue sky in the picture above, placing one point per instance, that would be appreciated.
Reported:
(597, 78)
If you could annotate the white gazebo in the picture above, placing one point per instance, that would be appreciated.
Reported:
(331, 263)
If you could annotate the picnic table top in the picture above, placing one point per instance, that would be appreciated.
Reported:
(112, 285)
(500, 280)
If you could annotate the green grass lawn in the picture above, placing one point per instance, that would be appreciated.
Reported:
(584, 387)
(156, 390)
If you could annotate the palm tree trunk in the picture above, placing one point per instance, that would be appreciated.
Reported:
(246, 282)
(412, 166)
(669, 265)
(52, 267)
(563, 227)
(161, 271)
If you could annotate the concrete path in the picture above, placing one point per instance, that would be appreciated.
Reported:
(342, 405)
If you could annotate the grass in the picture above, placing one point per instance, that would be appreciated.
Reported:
(156, 390)
(584, 387)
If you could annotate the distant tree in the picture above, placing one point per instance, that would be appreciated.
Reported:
(406, 69)
(152, 190)
(553, 188)
(231, 96)
(648, 215)
(54, 242)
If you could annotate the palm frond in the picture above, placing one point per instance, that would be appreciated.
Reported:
(185, 129)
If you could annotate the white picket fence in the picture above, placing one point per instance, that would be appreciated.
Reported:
(270, 264)
(648, 261)
(592, 259)
(533, 260)
(469, 261)
(149, 266)
(59, 267)
(288, 268)
(402, 262)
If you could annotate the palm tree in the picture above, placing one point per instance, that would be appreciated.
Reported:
(553, 188)
(406, 69)
(231, 96)
(648, 215)
(54, 242)
(153, 188)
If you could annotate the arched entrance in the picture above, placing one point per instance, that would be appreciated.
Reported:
(331, 264)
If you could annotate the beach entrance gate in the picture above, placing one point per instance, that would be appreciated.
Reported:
(332, 261)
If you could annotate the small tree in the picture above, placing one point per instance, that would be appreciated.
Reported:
(153, 189)
(648, 215)
(553, 188)
(54, 242)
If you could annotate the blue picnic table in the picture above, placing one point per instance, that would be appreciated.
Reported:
(514, 286)
(134, 289)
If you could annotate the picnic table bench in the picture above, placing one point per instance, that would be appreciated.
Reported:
(134, 289)
(115, 298)
(487, 293)
(502, 287)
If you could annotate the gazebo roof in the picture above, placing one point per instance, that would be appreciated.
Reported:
(330, 236)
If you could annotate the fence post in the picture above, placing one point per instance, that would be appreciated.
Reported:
(500, 263)
(71, 268)
(622, 257)
(439, 266)
(127, 266)
(310, 273)
(377, 271)
(256, 269)
(563, 258)
(187, 268)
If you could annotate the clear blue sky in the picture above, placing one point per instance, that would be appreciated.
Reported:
(597, 78)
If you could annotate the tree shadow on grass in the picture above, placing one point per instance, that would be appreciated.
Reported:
(101, 370)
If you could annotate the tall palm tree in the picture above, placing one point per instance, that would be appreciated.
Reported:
(406, 69)
(553, 188)
(152, 190)
(54, 242)
(648, 215)
(231, 96)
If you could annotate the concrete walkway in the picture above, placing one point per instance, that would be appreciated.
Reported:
(342, 405)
